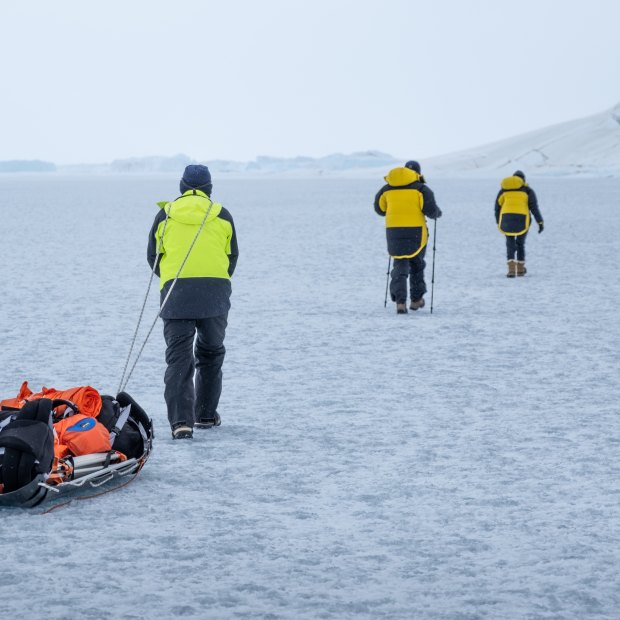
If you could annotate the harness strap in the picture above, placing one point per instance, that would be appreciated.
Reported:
(120, 423)
(143, 432)
(6, 421)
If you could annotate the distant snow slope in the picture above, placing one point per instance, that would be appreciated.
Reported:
(588, 145)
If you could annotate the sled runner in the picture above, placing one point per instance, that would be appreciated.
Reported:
(50, 445)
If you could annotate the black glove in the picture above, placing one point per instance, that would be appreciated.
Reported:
(541, 227)
(439, 213)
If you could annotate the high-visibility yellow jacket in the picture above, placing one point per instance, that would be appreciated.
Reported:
(203, 286)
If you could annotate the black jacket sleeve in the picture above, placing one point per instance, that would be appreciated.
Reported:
(151, 250)
(234, 246)
(532, 203)
(497, 207)
(378, 197)
(430, 208)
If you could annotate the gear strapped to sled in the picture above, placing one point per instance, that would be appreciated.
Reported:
(53, 445)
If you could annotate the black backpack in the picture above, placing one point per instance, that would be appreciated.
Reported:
(131, 429)
(27, 441)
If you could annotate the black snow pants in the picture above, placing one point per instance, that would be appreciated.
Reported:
(516, 245)
(413, 268)
(190, 398)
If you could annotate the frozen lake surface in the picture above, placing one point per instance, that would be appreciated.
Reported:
(458, 465)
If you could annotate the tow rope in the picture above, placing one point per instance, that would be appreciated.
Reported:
(126, 376)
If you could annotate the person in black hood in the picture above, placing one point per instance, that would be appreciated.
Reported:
(405, 202)
(513, 205)
(193, 249)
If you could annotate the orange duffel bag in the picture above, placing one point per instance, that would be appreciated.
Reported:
(87, 399)
(80, 434)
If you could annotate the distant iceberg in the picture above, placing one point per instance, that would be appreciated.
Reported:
(330, 165)
(23, 165)
(338, 164)
(175, 163)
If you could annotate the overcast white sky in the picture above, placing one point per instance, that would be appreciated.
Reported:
(90, 82)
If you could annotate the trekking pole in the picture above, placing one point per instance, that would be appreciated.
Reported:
(433, 273)
(387, 281)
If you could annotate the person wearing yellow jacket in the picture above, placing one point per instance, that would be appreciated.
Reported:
(193, 249)
(405, 202)
(513, 205)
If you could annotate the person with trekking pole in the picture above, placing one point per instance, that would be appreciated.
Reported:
(405, 202)
(193, 249)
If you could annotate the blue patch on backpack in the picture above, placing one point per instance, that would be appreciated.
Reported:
(83, 425)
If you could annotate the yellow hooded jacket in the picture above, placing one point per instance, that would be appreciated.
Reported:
(402, 203)
(514, 212)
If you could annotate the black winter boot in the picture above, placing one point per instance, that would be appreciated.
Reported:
(182, 431)
(208, 422)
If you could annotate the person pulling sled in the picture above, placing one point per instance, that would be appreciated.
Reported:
(193, 249)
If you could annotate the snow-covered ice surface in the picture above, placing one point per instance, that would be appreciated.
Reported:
(463, 464)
